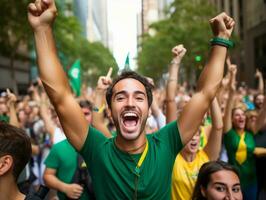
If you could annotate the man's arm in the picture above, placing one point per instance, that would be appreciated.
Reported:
(72, 190)
(171, 87)
(41, 15)
(209, 81)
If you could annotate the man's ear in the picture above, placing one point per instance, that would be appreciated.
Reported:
(6, 163)
(203, 191)
(108, 112)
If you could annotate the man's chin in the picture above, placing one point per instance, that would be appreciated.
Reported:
(130, 135)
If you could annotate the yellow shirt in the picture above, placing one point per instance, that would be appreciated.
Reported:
(185, 174)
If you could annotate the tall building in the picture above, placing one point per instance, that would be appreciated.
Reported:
(250, 17)
(149, 13)
(17, 78)
(95, 27)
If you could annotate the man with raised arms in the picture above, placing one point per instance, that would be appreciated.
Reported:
(131, 165)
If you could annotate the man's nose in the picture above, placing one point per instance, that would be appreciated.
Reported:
(130, 101)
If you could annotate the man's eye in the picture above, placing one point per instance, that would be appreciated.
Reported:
(119, 98)
(140, 98)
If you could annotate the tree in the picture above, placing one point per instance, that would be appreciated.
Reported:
(95, 58)
(187, 23)
(15, 32)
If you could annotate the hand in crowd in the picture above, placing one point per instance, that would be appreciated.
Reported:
(105, 81)
(222, 25)
(232, 69)
(73, 190)
(178, 53)
(41, 13)
(10, 98)
(258, 73)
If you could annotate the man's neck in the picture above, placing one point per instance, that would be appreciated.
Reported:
(131, 146)
(9, 189)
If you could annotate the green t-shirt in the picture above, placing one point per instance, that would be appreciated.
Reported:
(4, 118)
(247, 169)
(112, 170)
(63, 158)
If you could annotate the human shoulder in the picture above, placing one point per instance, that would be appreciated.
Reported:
(63, 144)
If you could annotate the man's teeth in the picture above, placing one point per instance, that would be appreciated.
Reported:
(130, 115)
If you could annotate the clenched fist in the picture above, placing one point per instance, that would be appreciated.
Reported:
(222, 26)
(41, 13)
(178, 53)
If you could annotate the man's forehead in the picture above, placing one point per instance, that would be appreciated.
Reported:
(129, 85)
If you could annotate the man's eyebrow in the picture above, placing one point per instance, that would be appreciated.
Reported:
(140, 92)
(124, 92)
(120, 92)
(237, 184)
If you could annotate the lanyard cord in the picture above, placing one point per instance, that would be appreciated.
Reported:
(137, 169)
(142, 158)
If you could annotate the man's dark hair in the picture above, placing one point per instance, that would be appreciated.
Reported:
(15, 142)
(133, 75)
(85, 104)
(204, 176)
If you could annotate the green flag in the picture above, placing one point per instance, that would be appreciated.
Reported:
(127, 66)
(74, 74)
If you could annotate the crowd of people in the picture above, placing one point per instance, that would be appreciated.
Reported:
(127, 138)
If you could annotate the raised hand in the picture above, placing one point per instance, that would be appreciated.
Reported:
(232, 69)
(11, 98)
(41, 13)
(258, 73)
(105, 81)
(178, 53)
(222, 25)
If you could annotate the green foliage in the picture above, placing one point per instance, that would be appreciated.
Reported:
(71, 45)
(14, 28)
(95, 58)
(188, 24)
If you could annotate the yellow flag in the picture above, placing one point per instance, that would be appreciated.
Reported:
(241, 153)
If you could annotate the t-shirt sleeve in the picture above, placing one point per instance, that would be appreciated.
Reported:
(92, 144)
(52, 160)
(170, 135)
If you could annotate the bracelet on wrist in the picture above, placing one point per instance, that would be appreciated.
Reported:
(172, 79)
(174, 62)
(222, 42)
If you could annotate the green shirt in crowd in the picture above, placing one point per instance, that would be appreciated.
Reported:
(247, 168)
(112, 170)
(63, 158)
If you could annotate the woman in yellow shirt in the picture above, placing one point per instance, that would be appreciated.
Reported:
(189, 161)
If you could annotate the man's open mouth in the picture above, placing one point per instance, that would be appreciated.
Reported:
(130, 119)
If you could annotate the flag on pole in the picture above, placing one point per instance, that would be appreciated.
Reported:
(127, 66)
(74, 74)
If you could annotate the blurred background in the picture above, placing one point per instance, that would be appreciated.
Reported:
(135, 34)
